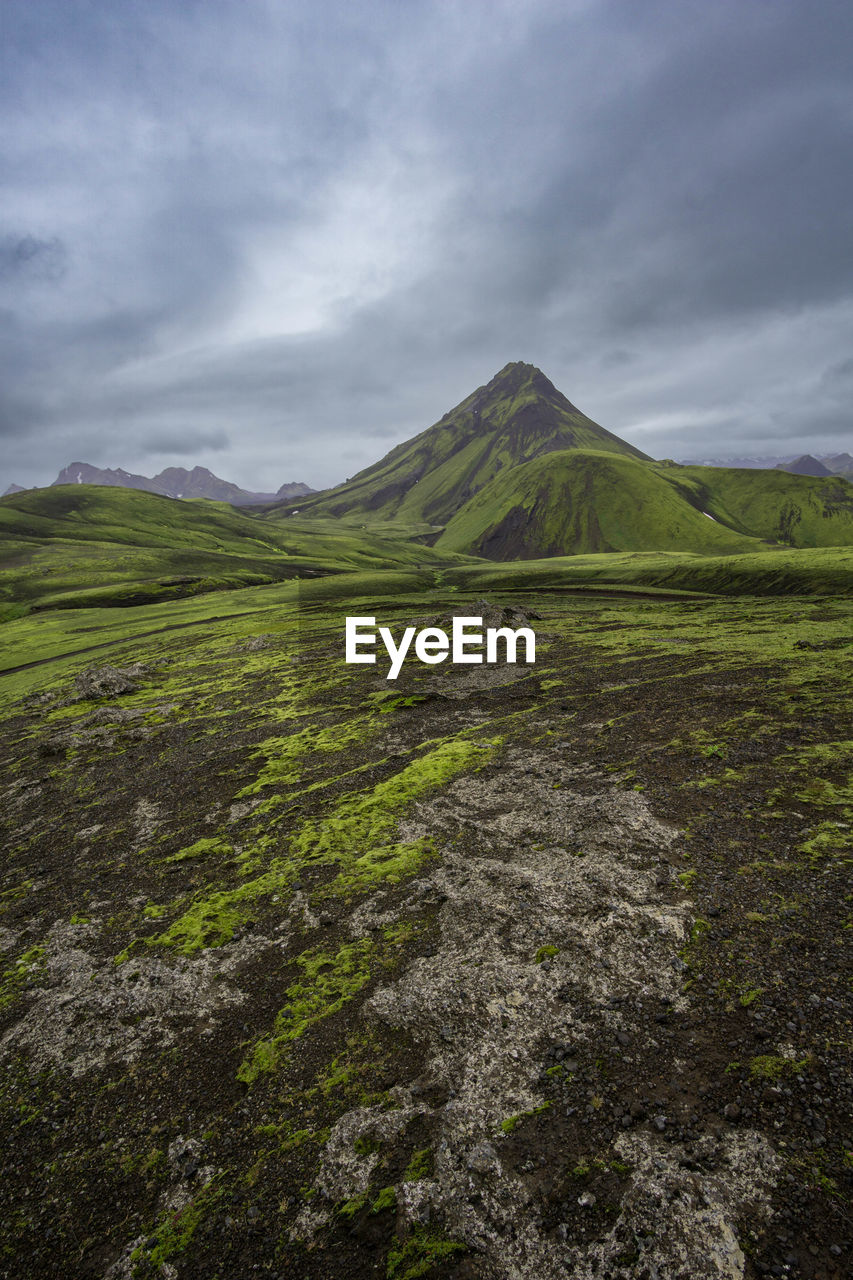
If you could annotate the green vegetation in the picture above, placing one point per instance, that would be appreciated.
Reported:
(16, 977)
(575, 502)
(284, 756)
(354, 836)
(356, 833)
(387, 1199)
(173, 1235)
(770, 1067)
(420, 1166)
(283, 853)
(420, 1253)
(328, 983)
(512, 1122)
(797, 511)
(91, 547)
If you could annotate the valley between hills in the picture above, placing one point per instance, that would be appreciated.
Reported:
(485, 973)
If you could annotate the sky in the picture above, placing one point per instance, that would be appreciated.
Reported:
(278, 238)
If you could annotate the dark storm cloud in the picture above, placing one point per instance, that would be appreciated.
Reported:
(278, 239)
(26, 256)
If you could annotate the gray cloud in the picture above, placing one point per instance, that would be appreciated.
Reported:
(185, 441)
(278, 239)
(839, 375)
(29, 258)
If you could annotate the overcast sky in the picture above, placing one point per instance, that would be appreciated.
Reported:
(276, 238)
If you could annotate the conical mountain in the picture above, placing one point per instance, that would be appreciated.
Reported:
(518, 416)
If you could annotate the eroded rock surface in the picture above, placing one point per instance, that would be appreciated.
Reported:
(553, 907)
(86, 1012)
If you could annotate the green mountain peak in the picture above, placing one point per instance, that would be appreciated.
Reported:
(517, 416)
(516, 375)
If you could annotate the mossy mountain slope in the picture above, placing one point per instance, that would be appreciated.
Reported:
(795, 510)
(516, 417)
(576, 502)
(580, 501)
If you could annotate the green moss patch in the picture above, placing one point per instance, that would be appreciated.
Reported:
(18, 975)
(768, 1066)
(420, 1253)
(172, 1237)
(353, 836)
(329, 982)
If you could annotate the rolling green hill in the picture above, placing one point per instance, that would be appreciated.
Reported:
(517, 416)
(795, 510)
(95, 513)
(514, 473)
(86, 545)
(576, 502)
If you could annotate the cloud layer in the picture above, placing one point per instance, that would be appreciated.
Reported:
(277, 239)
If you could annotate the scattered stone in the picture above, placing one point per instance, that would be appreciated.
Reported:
(108, 681)
(254, 644)
(483, 1158)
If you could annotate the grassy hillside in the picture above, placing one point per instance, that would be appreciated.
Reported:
(574, 502)
(577, 502)
(517, 416)
(799, 511)
(89, 631)
(777, 571)
(84, 548)
(83, 545)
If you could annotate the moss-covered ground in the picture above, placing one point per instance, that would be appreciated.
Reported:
(215, 882)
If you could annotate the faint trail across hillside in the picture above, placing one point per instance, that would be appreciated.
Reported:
(137, 635)
(615, 594)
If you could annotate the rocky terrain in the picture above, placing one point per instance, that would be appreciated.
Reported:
(487, 973)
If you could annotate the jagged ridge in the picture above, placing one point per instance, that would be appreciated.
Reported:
(174, 482)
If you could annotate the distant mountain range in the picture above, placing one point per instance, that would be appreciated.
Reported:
(833, 464)
(837, 464)
(174, 482)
